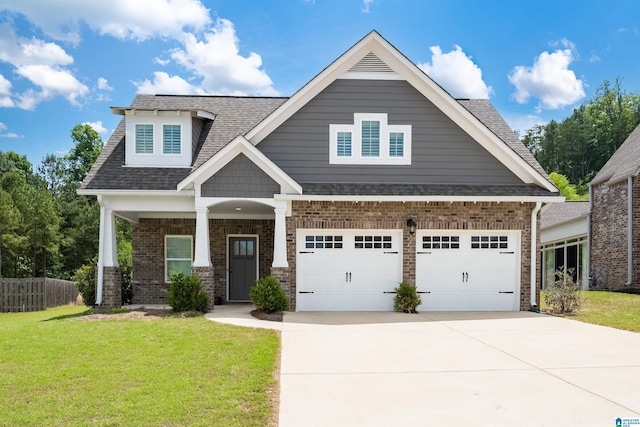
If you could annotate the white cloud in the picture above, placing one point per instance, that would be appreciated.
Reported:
(456, 73)
(97, 126)
(11, 135)
(3, 126)
(549, 79)
(123, 19)
(366, 4)
(103, 84)
(160, 61)
(19, 51)
(215, 59)
(5, 93)
(594, 57)
(522, 123)
(52, 82)
(167, 85)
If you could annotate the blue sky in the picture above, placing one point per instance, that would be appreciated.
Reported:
(65, 62)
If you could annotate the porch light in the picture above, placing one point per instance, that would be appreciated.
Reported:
(412, 226)
(238, 208)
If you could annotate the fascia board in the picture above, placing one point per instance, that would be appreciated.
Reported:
(452, 199)
(101, 192)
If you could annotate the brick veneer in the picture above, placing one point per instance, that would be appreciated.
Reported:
(112, 284)
(608, 246)
(149, 286)
(206, 280)
(433, 215)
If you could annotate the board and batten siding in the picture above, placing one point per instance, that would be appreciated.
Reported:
(442, 153)
(240, 178)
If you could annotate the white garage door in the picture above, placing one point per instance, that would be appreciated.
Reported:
(468, 270)
(347, 270)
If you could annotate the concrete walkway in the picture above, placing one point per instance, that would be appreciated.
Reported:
(240, 315)
(436, 369)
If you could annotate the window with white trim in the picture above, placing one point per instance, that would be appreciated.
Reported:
(144, 139)
(171, 139)
(178, 254)
(370, 140)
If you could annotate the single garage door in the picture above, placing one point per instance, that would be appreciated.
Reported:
(347, 270)
(468, 270)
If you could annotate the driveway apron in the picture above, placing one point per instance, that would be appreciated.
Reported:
(498, 369)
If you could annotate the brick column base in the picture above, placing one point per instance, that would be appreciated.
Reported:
(206, 279)
(111, 287)
(283, 275)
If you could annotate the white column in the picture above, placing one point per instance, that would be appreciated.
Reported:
(110, 247)
(202, 256)
(280, 238)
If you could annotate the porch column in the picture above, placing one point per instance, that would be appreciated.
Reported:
(280, 238)
(108, 292)
(202, 256)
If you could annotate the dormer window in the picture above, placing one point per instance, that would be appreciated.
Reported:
(144, 139)
(370, 140)
(171, 139)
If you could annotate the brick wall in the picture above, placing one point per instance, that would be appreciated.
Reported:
(608, 246)
(149, 286)
(433, 215)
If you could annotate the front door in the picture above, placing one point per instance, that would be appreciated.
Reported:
(243, 266)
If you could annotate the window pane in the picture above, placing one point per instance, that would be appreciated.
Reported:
(396, 144)
(370, 138)
(249, 247)
(344, 144)
(179, 267)
(144, 139)
(179, 247)
(171, 139)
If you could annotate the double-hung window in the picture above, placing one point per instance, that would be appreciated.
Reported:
(144, 139)
(178, 254)
(170, 139)
(370, 140)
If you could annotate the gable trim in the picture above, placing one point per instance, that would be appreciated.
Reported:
(388, 54)
(239, 146)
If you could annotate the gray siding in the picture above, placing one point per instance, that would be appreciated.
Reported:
(442, 153)
(196, 130)
(240, 178)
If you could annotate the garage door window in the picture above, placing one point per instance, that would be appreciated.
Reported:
(373, 242)
(489, 242)
(441, 242)
(323, 242)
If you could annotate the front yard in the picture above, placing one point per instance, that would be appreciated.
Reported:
(57, 370)
(613, 309)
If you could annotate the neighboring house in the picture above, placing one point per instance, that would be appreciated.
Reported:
(615, 219)
(369, 175)
(563, 240)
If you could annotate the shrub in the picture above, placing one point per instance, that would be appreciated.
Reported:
(267, 295)
(85, 278)
(406, 299)
(563, 296)
(186, 293)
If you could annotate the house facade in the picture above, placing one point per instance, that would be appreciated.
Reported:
(615, 219)
(369, 175)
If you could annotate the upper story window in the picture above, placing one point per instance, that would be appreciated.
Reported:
(370, 140)
(144, 139)
(171, 139)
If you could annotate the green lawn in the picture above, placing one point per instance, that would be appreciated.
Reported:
(169, 371)
(613, 309)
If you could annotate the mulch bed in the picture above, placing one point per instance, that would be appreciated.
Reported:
(149, 314)
(263, 315)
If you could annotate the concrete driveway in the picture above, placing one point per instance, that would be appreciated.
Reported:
(437, 369)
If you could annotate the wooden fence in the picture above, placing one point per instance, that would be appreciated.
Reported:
(34, 294)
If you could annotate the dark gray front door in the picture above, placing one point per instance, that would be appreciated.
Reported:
(242, 267)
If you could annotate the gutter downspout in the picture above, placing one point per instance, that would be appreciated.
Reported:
(629, 231)
(534, 251)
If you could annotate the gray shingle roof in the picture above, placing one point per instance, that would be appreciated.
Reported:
(423, 190)
(558, 213)
(625, 161)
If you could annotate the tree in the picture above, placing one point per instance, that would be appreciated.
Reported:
(83, 155)
(10, 219)
(566, 189)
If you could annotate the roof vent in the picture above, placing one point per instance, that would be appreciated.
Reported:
(370, 64)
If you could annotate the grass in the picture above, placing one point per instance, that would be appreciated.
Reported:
(614, 309)
(168, 371)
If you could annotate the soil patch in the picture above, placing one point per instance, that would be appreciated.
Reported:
(150, 314)
(276, 316)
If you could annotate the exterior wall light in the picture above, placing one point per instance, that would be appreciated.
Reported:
(412, 226)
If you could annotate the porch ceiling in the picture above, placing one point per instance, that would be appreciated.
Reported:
(240, 208)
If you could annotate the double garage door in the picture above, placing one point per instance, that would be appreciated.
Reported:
(357, 270)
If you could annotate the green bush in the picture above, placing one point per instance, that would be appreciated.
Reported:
(267, 295)
(186, 293)
(85, 278)
(406, 299)
(563, 296)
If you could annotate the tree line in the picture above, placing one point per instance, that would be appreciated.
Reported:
(46, 228)
(578, 147)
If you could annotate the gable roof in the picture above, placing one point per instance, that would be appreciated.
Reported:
(526, 169)
(559, 213)
(625, 161)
